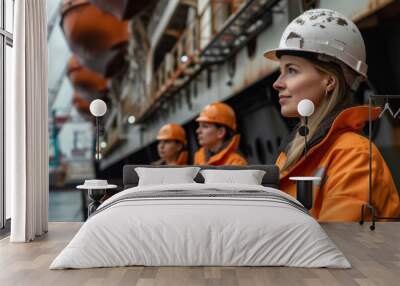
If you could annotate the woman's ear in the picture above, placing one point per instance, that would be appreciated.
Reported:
(221, 132)
(331, 83)
(180, 146)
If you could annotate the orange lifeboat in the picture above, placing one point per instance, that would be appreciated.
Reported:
(98, 38)
(85, 81)
(80, 103)
(123, 9)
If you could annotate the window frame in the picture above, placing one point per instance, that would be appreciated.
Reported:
(6, 39)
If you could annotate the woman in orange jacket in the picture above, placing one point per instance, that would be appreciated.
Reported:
(322, 58)
(217, 136)
(171, 145)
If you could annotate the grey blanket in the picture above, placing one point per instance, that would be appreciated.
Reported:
(206, 194)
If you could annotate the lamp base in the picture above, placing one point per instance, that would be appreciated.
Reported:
(304, 193)
(304, 190)
(95, 195)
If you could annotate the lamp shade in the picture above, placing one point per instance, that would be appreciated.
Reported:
(98, 107)
(305, 107)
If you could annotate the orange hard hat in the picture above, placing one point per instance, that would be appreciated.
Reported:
(219, 113)
(172, 131)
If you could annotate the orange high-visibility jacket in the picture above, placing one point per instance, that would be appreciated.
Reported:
(341, 159)
(227, 156)
(182, 160)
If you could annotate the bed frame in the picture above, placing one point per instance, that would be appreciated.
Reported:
(270, 179)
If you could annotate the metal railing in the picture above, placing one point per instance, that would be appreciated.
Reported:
(182, 61)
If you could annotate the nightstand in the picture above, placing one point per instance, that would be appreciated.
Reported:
(96, 190)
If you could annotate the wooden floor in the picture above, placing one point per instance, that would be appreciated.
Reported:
(375, 257)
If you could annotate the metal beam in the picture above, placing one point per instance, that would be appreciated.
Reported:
(240, 28)
(53, 92)
(142, 32)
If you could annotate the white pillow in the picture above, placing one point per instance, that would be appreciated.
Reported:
(163, 176)
(248, 177)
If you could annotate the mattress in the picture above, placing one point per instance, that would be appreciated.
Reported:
(201, 225)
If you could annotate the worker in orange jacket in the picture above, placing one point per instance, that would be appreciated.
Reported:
(313, 66)
(217, 136)
(171, 145)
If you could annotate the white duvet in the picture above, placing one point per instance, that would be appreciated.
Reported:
(183, 231)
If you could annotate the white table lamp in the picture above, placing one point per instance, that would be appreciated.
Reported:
(304, 185)
(98, 108)
(305, 109)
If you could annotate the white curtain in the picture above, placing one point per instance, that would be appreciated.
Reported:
(27, 124)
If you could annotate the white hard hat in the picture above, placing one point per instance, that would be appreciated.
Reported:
(330, 35)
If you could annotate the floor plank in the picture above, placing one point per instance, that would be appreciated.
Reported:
(374, 255)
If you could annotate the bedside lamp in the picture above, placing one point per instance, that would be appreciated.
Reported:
(304, 185)
(98, 108)
(305, 109)
(97, 189)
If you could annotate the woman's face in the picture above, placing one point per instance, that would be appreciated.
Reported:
(299, 79)
(168, 149)
(209, 135)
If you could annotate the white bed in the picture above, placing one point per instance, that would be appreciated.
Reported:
(223, 225)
